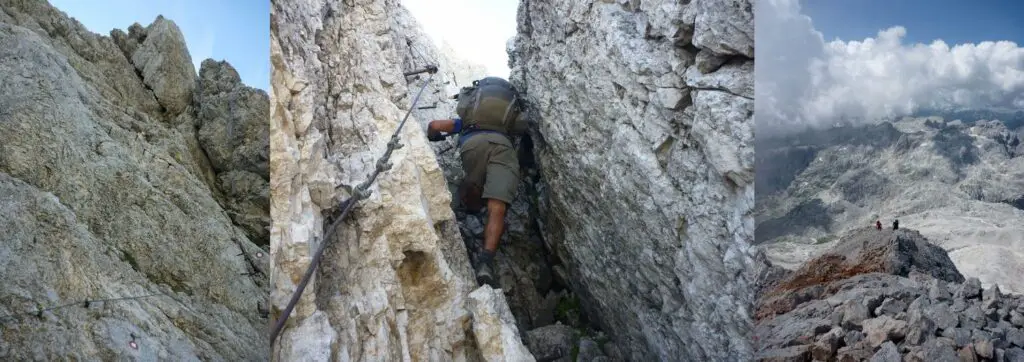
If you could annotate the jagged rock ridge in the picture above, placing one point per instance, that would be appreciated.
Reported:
(847, 306)
(644, 146)
(106, 191)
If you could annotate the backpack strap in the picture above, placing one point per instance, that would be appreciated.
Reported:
(504, 118)
(476, 103)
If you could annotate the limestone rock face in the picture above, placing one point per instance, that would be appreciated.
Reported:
(233, 128)
(526, 276)
(494, 328)
(103, 195)
(644, 145)
(395, 281)
(166, 66)
(233, 132)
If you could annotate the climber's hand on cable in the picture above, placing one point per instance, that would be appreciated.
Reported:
(436, 136)
(440, 129)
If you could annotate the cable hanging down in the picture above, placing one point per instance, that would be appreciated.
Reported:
(362, 191)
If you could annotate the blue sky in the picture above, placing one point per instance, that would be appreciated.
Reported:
(953, 21)
(237, 31)
(822, 62)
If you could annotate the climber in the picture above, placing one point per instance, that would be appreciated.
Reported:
(489, 117)
(895, 224)
(878, 224)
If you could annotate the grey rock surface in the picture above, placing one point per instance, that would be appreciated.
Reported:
(234, 134)
(928, 325)
(494, 332)
(523, 263)
(902, 252)
(1014, 354)
(395, 282)
(338, 95)
(106, 193)
(887, 353)
(551, 342)
(645, 153)
(589, 350)
(166, 67)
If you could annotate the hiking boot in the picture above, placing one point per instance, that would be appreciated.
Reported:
(485, 275)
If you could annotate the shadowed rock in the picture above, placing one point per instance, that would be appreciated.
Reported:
(646, 165)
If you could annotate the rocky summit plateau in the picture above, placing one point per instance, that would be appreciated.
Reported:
(884, 295)
(631, 236)
(134, 196)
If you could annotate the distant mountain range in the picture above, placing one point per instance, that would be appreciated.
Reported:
(958, 178)
(1012, 118)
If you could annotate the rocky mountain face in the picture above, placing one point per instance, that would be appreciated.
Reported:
(545, 311)
(885, 295)
(122, 174)
(397, 283)
(959, 183)
(643, 180)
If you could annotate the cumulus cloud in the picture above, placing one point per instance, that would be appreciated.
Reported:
(803, 80)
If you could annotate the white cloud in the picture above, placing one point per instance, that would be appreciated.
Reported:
(476, 30)
(803, 80)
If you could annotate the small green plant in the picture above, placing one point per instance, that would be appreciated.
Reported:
(568, 310)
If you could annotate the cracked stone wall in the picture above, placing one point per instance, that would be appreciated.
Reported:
(395, 283)
(644, 142)
(107, 191)
(525, 274)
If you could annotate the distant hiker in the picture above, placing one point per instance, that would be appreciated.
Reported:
(488, 119)
(878, 224)
(895, 224)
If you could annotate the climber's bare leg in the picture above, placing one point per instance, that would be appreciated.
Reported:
(495, 224)
(486, 274)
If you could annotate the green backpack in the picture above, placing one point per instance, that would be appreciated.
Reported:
(491, 104)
